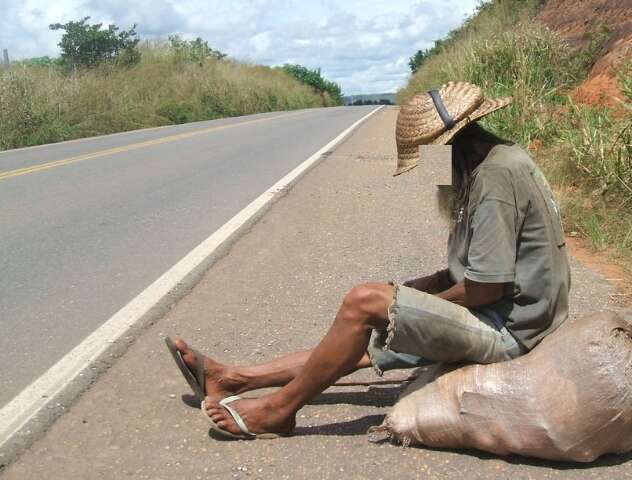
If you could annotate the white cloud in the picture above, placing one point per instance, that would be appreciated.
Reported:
(261, 42)
(363, 45)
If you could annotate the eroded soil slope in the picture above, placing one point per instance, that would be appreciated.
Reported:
(603, 23)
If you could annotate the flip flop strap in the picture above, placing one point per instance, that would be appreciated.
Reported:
(199, 371)
(235, 414)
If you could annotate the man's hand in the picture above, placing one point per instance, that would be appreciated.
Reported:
(474, 294)
(433, 284)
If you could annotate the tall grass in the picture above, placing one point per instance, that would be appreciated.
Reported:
(585, 151)
(591, 163)
(44, 104)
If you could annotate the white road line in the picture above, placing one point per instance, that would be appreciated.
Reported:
(38, 395)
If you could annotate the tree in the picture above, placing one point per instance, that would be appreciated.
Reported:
(85, 45)
(193, 50)
(421, 56)
(314, 79)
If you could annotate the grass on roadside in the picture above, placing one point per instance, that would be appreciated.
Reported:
(43, 104)
(586, 151)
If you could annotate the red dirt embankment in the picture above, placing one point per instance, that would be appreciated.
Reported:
(577, 21)
(580, 23)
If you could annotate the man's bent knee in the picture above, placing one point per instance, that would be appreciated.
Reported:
(368, 304)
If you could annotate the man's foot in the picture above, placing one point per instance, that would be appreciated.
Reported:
(221, 381)
(260, 415)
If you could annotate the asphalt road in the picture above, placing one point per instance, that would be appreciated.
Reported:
(277, 290)
(86, 225)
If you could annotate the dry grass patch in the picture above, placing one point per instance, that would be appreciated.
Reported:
(43, 104)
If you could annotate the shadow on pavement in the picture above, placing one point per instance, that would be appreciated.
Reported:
(190, 400)
(343, 429)
(374, 397)
(605, 461)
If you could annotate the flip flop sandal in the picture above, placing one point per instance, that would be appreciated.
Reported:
(245, 433)
(195, 379)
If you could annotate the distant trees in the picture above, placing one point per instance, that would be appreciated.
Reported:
(381, 101)
(314, 79)
(44, 61)
(85, 45)
(421, 56)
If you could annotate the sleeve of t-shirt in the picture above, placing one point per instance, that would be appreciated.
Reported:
(492, 250)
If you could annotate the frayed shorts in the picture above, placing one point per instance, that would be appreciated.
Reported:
(425, 329)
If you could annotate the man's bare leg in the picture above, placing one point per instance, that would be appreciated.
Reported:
(224, 380)
(364, 308)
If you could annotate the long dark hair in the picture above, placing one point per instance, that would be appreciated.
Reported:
(474, 132)
(463, 171)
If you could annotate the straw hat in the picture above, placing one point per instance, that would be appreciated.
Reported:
(435, 117)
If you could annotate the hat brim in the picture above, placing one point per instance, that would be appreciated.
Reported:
(488, 106)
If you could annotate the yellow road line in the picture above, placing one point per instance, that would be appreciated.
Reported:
(134, 146)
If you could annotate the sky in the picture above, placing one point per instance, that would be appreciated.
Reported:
(362, 45)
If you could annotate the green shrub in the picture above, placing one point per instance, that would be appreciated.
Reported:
(177, 112)
(314, 79)
(196, 50)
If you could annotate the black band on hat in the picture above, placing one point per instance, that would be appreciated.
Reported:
(448, 121)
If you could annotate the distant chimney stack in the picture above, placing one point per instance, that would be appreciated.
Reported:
(5, 57)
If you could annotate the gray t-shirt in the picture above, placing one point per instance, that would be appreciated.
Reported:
(511, 232)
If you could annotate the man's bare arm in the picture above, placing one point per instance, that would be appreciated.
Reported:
(437, 282)
(474, 294)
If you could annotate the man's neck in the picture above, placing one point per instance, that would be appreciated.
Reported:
(479, 152)
(472, 153)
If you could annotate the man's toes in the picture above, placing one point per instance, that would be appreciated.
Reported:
(213, 411)
(218, 417)
(221, 418)
(188, 355)
(180, 344)
(210, 410)
(228, 426)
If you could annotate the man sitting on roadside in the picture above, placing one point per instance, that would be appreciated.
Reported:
(504, 289)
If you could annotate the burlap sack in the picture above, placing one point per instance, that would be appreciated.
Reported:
(568, 399)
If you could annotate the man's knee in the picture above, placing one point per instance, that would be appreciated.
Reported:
(367, 304)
